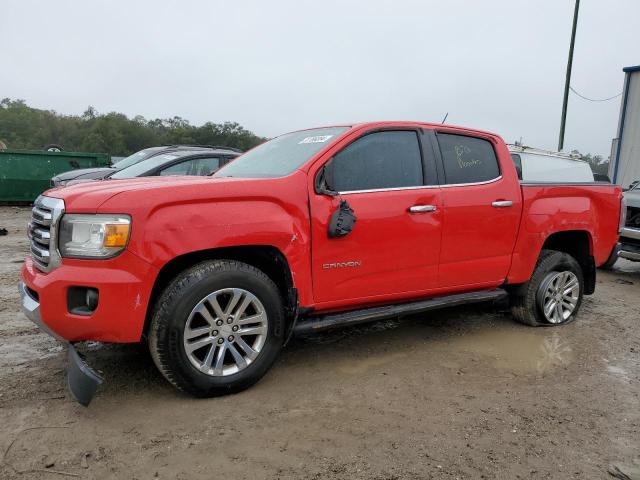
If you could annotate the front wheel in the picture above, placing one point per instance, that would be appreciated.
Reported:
(553, 295)
(217, 328)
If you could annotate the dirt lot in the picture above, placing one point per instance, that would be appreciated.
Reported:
(461, 393)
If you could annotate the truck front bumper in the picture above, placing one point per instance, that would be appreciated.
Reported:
(630, 244)
(81, 379)
(124, 286)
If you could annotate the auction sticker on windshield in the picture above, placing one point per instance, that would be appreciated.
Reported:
(316, 139)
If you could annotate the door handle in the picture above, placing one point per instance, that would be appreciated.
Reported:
(502, 203)
(422, 208)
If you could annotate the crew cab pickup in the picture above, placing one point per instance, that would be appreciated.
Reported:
(311, 230)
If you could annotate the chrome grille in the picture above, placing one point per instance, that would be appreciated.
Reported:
(42, 232)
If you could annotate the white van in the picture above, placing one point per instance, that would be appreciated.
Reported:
(534, 165)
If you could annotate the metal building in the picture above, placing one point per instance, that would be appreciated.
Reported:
(625, 149)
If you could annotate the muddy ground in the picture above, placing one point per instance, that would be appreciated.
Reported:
(461, 393)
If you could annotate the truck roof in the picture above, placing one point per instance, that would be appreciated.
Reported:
(395, 123)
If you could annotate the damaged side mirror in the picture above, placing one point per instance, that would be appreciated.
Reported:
(324, 180)
(342, 221)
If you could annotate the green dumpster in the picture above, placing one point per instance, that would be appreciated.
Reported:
(25, 174)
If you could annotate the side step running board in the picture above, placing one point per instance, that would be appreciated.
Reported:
(334, 320)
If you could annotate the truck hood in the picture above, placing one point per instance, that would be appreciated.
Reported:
(89, 197)
(84, 173)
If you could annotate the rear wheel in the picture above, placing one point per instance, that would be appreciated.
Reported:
(553, 295)
(217, 328)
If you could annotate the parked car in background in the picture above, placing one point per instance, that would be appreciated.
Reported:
(535, 165)
(165, 157)
(190, 161)
(62, 179)
(309, 231)
(629, 242)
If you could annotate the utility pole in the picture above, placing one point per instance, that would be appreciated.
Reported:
(567, 82)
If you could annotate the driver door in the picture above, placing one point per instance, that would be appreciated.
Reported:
(393, 249)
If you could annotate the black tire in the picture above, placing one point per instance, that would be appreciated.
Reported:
(526, 304)
(171, 311)
(53, 147)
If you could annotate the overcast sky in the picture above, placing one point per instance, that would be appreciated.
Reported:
(277, 65)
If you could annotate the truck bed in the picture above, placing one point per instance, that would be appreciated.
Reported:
(590, 207)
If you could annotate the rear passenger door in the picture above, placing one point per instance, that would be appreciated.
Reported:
(393, 249)
(481, 211)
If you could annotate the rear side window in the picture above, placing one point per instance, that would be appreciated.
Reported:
(194, 167)
(378, 160)
(467, 159)
(517, 161)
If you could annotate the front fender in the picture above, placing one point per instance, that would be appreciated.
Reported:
(171, 222)
(176, 229)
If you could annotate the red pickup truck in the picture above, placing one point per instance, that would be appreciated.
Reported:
(311, 230)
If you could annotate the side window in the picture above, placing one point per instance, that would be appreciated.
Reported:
(195, 166)
(467, 159)
(518, 163)
(225, 160)
(378, 160)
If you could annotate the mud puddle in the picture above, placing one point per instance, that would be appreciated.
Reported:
(517, 350)
(448, 339)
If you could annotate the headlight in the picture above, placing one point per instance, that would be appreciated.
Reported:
(93, 236)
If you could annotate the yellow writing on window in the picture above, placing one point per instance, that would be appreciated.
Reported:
(465, 162)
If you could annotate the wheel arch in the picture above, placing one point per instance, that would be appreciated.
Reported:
(578, 244)
(266, 258)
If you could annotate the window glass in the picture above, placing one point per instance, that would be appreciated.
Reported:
(282, 155)
(145, 166)
(467, 159)
(518, 163)
(225, 160)
(195, 166)
(137, 157)
(378, 160)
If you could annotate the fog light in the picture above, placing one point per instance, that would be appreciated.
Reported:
(91, 299)
(82, 300)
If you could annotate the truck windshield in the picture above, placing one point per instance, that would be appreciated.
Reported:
(282, 155)
(140, 168)
(136, 157)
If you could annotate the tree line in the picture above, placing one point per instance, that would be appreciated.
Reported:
(24, 127)
(598, 163)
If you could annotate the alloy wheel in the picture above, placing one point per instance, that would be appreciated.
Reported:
(558, 296)
(225, 332)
